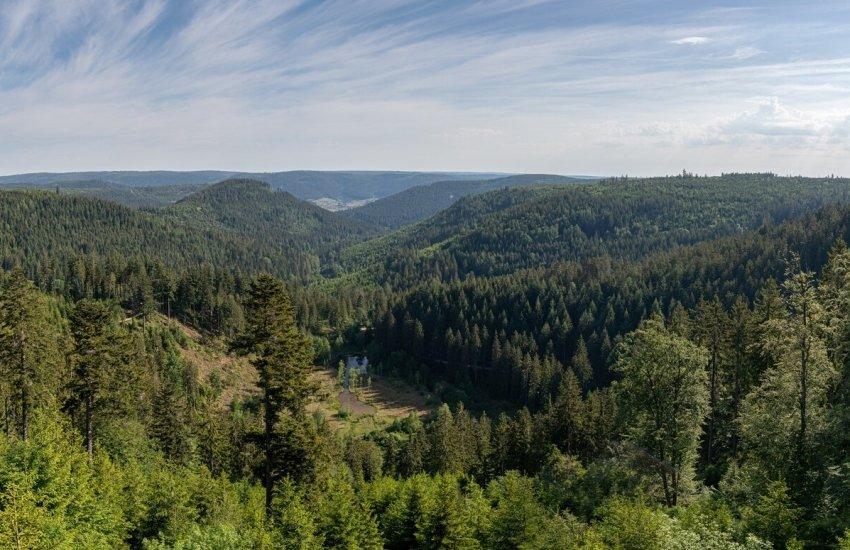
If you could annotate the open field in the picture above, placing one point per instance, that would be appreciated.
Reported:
(366, 408)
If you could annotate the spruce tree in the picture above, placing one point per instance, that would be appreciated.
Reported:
(281, 355)
(710, 331)
(96, 355)
(29, 351)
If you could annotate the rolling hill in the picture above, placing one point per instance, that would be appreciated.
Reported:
(241, 223)
(502, 231)
(340, 186)
(137, 197)
(254, 210)
(423, 201)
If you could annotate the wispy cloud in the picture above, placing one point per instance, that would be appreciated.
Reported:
(691, 41)
(513, 86)
(745, 52)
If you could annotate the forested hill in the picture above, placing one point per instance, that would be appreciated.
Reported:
(502, 231)
(304, 184)
(253, 209)
(423, 201)
(522, 329)
(239, 225)
(138, 197)
(672, 373)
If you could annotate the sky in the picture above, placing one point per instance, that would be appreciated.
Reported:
(571, 87)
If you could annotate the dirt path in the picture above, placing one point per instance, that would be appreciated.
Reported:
(351, 404)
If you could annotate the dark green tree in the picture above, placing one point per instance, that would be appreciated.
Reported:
(664, 400)
(281, 355)
(98, 352)
(29, 349)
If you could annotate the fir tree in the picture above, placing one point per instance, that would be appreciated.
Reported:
(97, 354)
(29, 354)
(281, 355)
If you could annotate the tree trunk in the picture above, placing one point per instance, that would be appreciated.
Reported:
(267, 450)
(89, 428)
(667, 497)
(25, 405)
(804, 390)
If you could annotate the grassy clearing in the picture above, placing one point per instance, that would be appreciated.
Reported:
(366, 409)
(361, 411)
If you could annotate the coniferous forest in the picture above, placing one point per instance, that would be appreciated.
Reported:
(625, 363)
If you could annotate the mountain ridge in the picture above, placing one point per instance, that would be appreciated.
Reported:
(423, 201)
(345, 186)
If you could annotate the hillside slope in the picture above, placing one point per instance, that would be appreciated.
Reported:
(242, 224)
(36, 226)
(304, 184)
(502, 231)
(522, 328)
(254, 210)
(137, 197)
(423, 201)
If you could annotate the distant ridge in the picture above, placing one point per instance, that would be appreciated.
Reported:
(423, 201)
(343, 186)
(254, 209)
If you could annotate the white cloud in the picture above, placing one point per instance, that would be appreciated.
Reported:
(745, 52)
(773, 124)
(691, 41)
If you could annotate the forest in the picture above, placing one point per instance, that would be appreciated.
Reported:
(658, 363)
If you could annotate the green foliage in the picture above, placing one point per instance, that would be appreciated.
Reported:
(773, 516)
(344, 521)
(30, 347)
(51, 496)
(423, 201)
(664, 401)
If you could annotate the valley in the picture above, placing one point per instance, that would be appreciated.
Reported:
(506, 326)
(454, 275)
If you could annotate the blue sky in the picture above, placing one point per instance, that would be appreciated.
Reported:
(602, 87)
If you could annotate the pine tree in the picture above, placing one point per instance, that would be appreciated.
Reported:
(29, 352)
(740, 370)
(444, 442)
(786, 415)
(281, 355)
(581, 362)
(568, 414)
(97, 354)
(710, 328)
(171, 421)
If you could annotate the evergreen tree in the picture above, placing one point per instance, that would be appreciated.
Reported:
(29, 349)
(710, 329)
(581, 362)
(784, 419)
(281, 355)
(97, 354)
